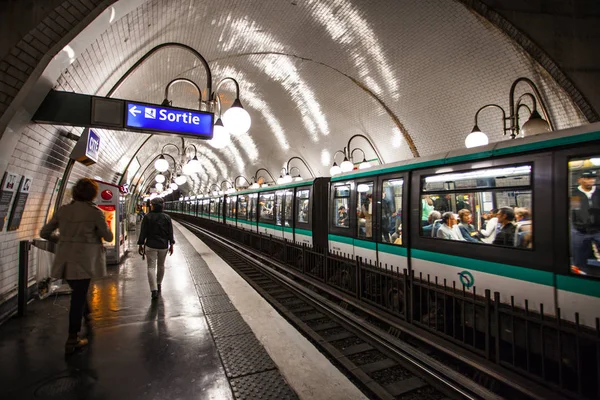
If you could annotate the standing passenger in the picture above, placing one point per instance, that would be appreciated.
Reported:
(156, 234)
(80, 255)
(489, 232)
(585, 219)
(506, 236)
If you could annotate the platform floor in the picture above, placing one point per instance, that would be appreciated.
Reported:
(192, 343)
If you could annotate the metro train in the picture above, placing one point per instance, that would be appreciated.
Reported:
(384, 215)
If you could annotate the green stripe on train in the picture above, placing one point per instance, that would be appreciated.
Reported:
(303, 232)
(509, 271)
(575, 284)
(393, 249)
(352, 242)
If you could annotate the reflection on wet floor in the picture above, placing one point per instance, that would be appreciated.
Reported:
(138, 348)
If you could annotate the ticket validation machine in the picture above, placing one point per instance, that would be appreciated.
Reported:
(111, 200)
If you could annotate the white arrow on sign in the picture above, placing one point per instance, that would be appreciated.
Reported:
(134, 111)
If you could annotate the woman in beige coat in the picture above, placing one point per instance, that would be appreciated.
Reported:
(80, 255)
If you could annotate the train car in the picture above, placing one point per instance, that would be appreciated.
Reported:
(519, 217)
(294, 211)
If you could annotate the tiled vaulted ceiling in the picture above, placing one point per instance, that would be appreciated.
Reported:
(314, 73)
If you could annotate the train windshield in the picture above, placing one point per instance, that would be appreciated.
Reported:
(485, 206)
(302, 206)
(584, 216)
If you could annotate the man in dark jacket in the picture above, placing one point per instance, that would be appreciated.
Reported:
(585, 219)
(506, 235)
(156, 238)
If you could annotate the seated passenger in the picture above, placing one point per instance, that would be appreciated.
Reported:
(488, 234)
(523, 217)
(506, 236)
(433, 216)
(342, 217)
(445, 231)
(467, 230)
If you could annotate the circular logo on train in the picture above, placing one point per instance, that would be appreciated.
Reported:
(106, 195)
(466, 278)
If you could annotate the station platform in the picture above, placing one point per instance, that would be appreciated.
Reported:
(209, 336)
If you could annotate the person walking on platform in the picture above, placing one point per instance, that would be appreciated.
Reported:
(80, 254)
(156, 239)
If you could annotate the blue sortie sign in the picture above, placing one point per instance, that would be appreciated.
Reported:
(167, 119)
(93, 146)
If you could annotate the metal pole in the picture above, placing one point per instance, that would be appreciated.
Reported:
(24, 247)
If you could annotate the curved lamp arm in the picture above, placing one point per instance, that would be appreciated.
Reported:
(336, 153)
(237, 86)
(236, 179)
(352, 154)
(538, 95)
(370, 143)
(166, 101)
(303, 162)
(226, 181)
(476, 127)
(263, 169)
(162, 151)
(195, 150)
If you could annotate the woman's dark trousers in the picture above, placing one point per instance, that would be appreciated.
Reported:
(79, 306)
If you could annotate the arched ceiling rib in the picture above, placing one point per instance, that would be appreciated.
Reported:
(314, 73)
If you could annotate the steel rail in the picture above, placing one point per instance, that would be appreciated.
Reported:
(450, 379)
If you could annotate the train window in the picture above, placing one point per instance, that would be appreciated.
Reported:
(486, 206)
(279, 207)
(242, 207)
(364, 209)
(266, 204)
(302, 206)
(584, 216)
(341, 201)
(213, 207)
(253, 204)
(391, 211)
(231, 207)
(287, 208)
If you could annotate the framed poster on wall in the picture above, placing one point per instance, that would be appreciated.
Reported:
(7, 189)
(18, 207)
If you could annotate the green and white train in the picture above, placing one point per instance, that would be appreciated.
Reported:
(383, 215)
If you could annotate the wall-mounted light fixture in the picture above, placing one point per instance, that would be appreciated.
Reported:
(348, 164)
(216, 190)
(255, 184)
(230, 190)
(510, 125)
(166, 102)
(236, 119)
(236, 179)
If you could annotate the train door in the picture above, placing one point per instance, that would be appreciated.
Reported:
(252, 212)
(288, 214)
(577, 233)
(391, 246)
(342, 220)
(303, 216)
(365, 232)
(278, 214)
(266, 213)
(230, 204)
(242, 211)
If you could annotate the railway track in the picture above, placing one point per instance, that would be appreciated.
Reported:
(382, 365)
